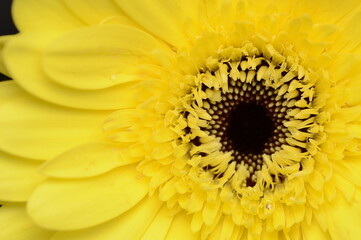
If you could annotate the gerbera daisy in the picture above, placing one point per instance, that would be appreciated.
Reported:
(202, 119)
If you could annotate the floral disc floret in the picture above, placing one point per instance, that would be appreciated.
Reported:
(245, 129)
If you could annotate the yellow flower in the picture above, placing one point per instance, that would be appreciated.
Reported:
(184, 119)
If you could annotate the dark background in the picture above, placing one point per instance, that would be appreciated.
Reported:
(6, 24)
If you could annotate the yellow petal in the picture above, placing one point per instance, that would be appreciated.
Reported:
(98, 12)
(237, 233)
(35, 129)
(165, 19)
(279, 218)
(210, 212)
(120, 119)
(344, 186)
(350, 35)
(181, 229)
(227, 228)
(3, 40)
(43, 15)
(9, 90)
(216, 232)
(162, 151)
(350, 169)
(160, 225)
(75, 204)
(22, 56)
(86, 161)
(131, 224)
(313, 231)
(18, 177)
(330, 11)
(352, 93)
(197, 221)
(349, 73)
(343, 218)
(16, 225)
(219, 20)
(124, 137)
(269, 235)
(101, 57)
(162, 135)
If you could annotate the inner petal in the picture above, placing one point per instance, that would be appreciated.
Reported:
(249, 117)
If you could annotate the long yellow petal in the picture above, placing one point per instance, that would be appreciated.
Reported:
(22, 56)
(35, 129)
(160, 225)
(16, 225)
(330, 11)
(18, 177)
(181, 229)
(130, 225)
(76, 204)
(97, 12)
(343, 218)
(351, 35)
(165, 19)
(102, 56)
(313, 231)
(86, 161)
(350, 169)
(44, 15)
(3, 40)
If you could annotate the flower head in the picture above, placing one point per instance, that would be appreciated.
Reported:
(182, 120)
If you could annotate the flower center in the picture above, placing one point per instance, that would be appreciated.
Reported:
(237, 132)
(249, 121)
(249, 117)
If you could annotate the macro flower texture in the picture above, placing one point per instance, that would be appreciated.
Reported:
(182, 119)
